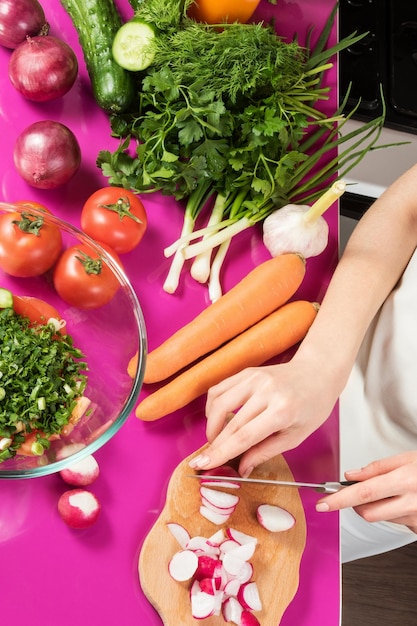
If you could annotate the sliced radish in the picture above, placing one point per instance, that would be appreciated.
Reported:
(274, 518)
(183, 565)
(232, 564)
(221, 484)
(79, 508)
(180, 533)
(248, 619)
(239, 536)
(203, 605)
(223, 470)
(232, 587)
(228, 545)
(216, 518)
(208, 585)
(232, 610)
(81, 473)
(217, 538)
(245, 573)
(219, 499)
(217, 509)
(206, 567)
(248, 596)
(200, 544)
(243, 552)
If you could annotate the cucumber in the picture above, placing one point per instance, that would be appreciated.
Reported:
(96, 23)
(132, 45)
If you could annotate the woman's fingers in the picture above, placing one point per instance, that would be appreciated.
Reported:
(385, 496)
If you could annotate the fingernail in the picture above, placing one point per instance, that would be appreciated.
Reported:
(199, 461)
(353, 471)
(248, 471)
(322, 507)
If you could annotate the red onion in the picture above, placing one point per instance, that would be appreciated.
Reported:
(19, 18)
(43, 68)
(47, 154)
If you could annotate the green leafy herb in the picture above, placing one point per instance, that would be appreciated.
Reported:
(233, 112)
(41, 377)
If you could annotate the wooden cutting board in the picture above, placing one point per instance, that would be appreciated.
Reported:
(276, 560)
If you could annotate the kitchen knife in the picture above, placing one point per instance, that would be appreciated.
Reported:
(327, 487)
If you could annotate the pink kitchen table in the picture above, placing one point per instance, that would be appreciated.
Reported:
(53, 575)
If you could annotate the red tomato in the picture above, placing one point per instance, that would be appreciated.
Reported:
(35, 309)
(83, 279)
(115, 216)
(29, 246)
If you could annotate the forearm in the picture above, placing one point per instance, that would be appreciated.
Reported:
(374, 259)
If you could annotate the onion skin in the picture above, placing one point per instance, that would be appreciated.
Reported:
(20, 18)
(43, 68)
(47, 154)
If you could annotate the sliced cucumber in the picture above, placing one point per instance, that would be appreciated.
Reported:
(6, 299)
(133, 45)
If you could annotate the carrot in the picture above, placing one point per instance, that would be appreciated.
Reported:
(263, 290)
(279, 331)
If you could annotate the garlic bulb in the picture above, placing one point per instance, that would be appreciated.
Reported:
(300, 228)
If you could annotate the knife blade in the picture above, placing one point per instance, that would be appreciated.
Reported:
(327, 487)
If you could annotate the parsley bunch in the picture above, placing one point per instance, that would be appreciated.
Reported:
(41, 376)
(232, 115)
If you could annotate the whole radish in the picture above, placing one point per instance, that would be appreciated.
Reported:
(79, 508)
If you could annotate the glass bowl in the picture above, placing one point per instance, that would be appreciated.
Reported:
(108, 337)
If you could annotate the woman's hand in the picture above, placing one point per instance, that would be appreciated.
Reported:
(274, 409)
(386, 491)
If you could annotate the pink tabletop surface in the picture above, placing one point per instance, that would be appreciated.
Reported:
(53, 575)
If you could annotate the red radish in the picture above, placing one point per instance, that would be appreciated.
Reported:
(274, 518)
(183, 565)
(217, 509)
(248, 619)
(82, 473)
(212, 516)
(180, 533)
(79, 508)
(208, 585)
(68, 450)
(217, 538)
(224, 470)
(232, 610)
(228, 545)
(243, 552)
(221, 582)
(219, 499)
(239, 536)
(232, 587)
(202, 605)
(248, 596)
(221, 484)
(207, 566)
(236, 566)
(199, 544)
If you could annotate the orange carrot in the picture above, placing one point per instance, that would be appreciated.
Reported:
(279, 331)
(262, 291)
